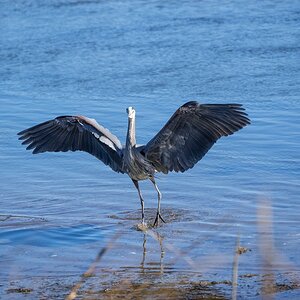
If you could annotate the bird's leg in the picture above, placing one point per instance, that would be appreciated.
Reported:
(158, 215)
(136, 184)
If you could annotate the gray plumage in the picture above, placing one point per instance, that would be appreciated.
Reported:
(178, 146)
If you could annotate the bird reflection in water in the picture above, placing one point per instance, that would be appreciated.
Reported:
(154, 268)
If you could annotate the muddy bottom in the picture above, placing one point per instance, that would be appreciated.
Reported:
(109, 284)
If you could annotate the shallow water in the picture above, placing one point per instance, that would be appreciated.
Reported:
(95, 58)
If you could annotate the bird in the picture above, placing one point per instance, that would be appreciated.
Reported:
(186, 137)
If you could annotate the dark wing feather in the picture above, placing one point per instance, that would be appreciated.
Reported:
(72, 133)
(191, 132)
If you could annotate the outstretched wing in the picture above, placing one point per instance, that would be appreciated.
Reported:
(191, 132)
(72, 133)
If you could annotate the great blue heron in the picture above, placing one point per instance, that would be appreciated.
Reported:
(178, 146)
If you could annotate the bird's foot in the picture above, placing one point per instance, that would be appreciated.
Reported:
(158, 217)
(142, 226)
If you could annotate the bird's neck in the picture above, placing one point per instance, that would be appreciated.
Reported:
(130, 140)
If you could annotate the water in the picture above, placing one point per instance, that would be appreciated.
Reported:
(95, 58)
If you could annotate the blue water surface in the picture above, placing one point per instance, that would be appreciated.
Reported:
(95, 58)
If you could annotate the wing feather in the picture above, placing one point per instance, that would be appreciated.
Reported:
(191, 132)
(74, 133)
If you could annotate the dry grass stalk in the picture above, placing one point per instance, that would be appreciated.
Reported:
(90, 271)
(265, 229)
(235, 269)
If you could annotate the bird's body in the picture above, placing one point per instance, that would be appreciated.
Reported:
(136, 166)
(178, 146)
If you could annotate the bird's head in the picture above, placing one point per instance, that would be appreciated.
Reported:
(131, 112)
